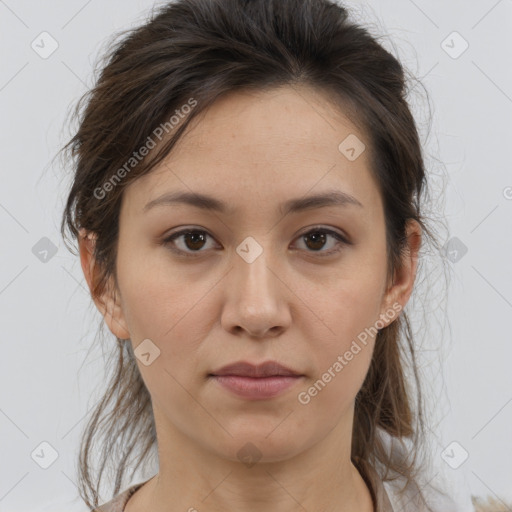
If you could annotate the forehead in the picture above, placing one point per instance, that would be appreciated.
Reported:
(266, 145)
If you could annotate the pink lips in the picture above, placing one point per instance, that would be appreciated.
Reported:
(256, 382)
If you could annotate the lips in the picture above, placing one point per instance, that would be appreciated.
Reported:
(256, 382)
(266, 369)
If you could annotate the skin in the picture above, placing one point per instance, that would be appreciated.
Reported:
(254, 151)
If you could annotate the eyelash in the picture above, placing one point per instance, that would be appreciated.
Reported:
(341, 239)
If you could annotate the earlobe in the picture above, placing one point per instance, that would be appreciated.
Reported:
(108, 302)
(399, 292)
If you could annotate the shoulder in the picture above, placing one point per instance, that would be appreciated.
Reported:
(415, 497)
(395, 493)
(118, 503)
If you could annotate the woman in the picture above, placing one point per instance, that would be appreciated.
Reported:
(247, 200)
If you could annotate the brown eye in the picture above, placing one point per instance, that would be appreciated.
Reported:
(193, 240)
(317, 238)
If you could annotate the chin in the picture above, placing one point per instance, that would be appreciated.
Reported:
(256, 445)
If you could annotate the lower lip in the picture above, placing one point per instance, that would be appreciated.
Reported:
(256, 388)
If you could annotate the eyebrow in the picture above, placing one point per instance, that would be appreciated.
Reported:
(209, 203)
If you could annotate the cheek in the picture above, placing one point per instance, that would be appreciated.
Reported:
(341, 359)
(343, 352)
(175, 315)
(350, 310)
(155, 299)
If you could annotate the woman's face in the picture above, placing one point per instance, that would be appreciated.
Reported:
(249, 285)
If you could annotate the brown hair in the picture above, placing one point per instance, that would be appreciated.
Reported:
(192, 52)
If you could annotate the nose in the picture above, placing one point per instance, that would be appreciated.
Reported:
(256, 299)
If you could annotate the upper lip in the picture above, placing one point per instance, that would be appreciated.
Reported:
(266, 369)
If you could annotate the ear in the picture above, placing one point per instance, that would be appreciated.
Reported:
(108, 303)
(399, 291)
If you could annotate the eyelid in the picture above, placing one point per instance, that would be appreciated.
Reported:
(342, 237)
(320, 227)
(167, 241)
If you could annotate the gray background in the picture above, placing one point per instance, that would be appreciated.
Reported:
(50, 377)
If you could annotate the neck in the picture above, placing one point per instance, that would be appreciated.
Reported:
(192, 478)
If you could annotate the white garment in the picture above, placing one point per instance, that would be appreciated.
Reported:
(415, 498)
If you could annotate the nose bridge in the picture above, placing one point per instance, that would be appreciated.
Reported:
(252, 270)
(253, 302)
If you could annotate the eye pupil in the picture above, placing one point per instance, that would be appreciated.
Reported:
(194, 235)
(318, 239)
